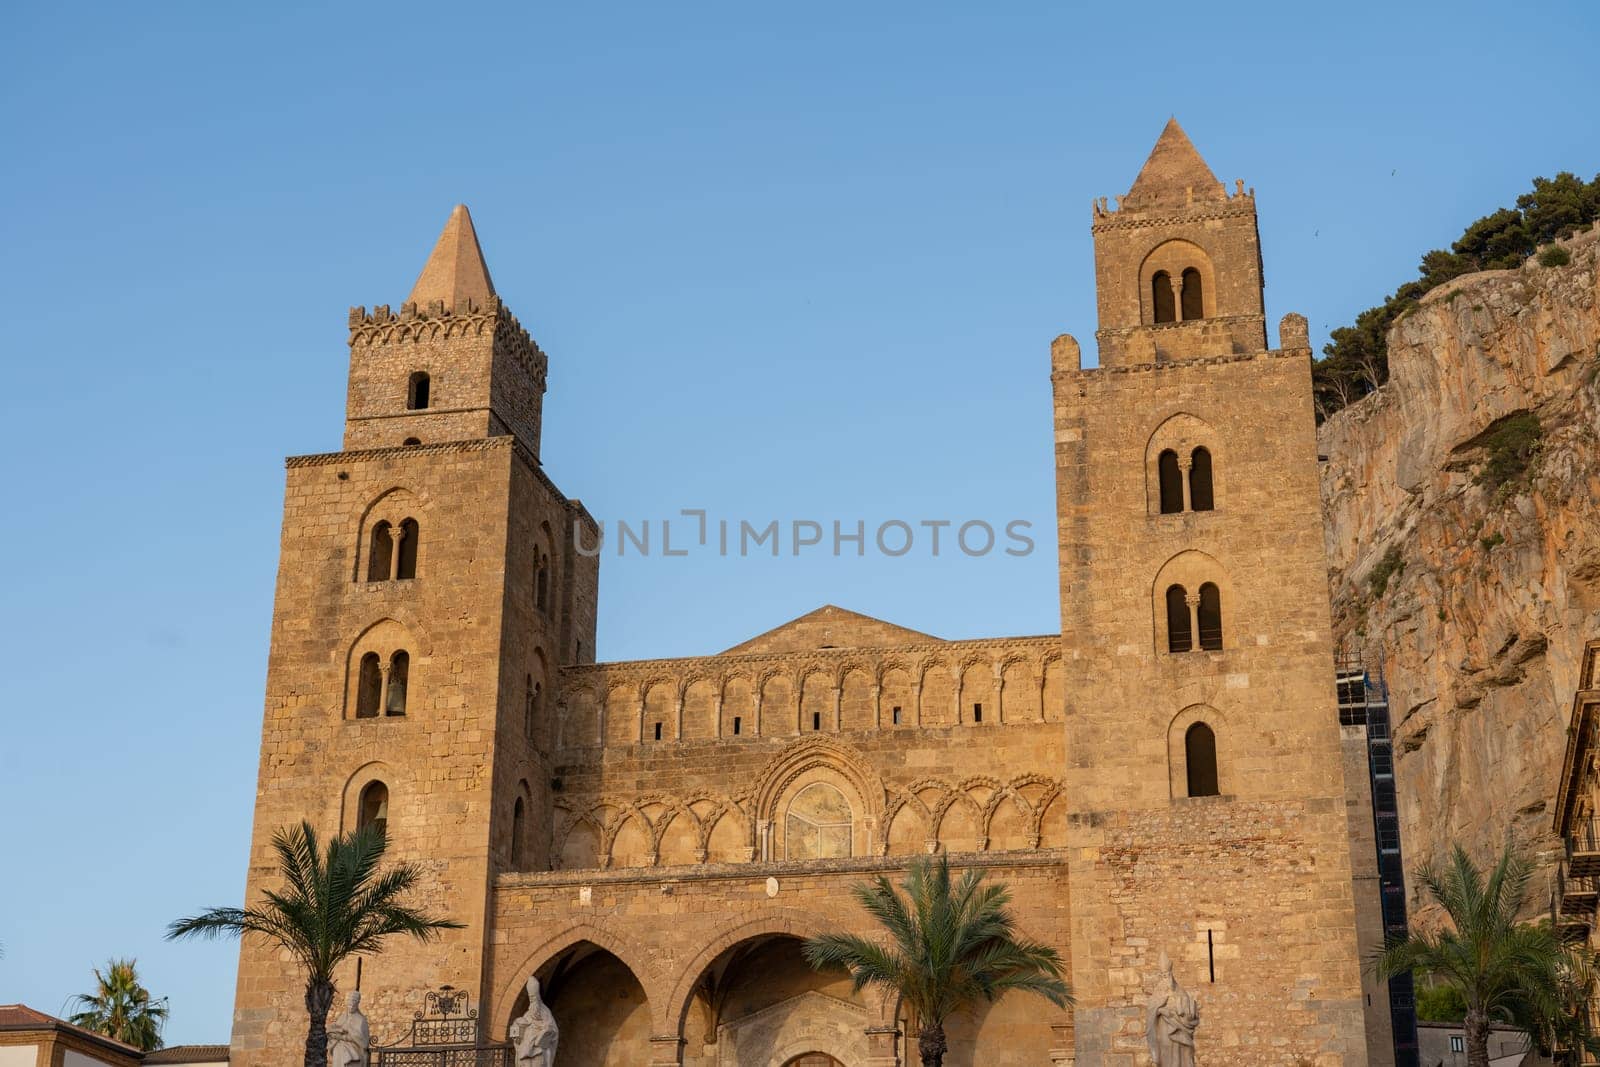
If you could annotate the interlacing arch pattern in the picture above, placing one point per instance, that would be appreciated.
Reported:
(929, 801)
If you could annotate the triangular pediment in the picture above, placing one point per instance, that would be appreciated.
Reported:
(831, 627)
(1174, 176)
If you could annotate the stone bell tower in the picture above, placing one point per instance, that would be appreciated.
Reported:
(427, 594)
(1207, 817)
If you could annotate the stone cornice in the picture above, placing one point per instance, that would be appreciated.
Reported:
(1176, 364)
(1041, 858)
(1137, 220)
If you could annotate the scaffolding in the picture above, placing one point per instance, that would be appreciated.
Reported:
(1364, 702)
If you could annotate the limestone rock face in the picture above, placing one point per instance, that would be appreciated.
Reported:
(1491, 592)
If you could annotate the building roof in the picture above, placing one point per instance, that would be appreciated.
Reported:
(20, 1017)
(831, 627)
(455, 273)
(1174, 175)
(188, 1054)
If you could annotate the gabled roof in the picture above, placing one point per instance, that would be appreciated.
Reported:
(1174, 175)
(455, 272)
(831, 627)
(21, 1018)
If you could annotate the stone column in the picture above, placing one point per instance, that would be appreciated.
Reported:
(882, 1042)
(1185, 464)
(383, 687)
(999, 693)
(1061, 1052)
(877, 704)
(716, 714)
(1193, 600)
(666, 1050)
(397, 534)
(916, 702)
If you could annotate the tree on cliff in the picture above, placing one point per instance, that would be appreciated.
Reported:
(1506, 971)
(948, 946)
(331, 907)
(121, 1008)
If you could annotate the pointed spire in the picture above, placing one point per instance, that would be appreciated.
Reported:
(1174, 175)
(455, 272)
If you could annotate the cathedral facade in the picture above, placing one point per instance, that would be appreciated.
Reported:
(654, 839)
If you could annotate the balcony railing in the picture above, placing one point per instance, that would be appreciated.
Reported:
(1567, 926)
(1583, 847)
(1578, 894)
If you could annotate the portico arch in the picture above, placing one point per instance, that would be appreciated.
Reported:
(511, 1000)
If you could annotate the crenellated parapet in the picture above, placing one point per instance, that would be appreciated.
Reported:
(433, 322)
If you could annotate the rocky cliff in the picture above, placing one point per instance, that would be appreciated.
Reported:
(1463, 534)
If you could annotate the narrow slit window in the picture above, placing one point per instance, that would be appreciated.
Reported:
(406, 556)
(1210, 618)
(816, 720)
(1161, 297)
(369, 687)
(977, 713)
(1200, 494)
(897, 714)
(380, 553)
(737, 724)
(399, 680)
(1200, 760)
(518, 831)
(658, 731)
(1180, 637)
(1194, 304)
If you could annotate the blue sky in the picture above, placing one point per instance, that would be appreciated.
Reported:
(788, 262)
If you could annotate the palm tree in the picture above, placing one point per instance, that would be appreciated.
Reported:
(332, 907)
(1506, 971)
(121, 1008)
(947, 947)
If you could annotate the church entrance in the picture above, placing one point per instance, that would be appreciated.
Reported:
(813, 1059)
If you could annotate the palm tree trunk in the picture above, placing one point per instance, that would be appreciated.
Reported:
(931, 1046)
(319, 998)
(1477, 1027)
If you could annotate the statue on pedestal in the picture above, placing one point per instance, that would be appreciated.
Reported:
(1171, 1018)
(534, 1033)
(348, 1037)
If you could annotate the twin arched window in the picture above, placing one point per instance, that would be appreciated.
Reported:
(382, 686)
(392, 552)
(1200, 760)
(1167, 300)
(372, 809)
(1189, 614)
(1169, 471)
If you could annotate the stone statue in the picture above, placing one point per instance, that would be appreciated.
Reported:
(534, 1033)
(348, 1037)
(1171, 1019)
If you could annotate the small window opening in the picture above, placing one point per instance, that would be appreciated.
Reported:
(369, 687)
(1194, 305)
(1200, 760)
(1171, 482)
(816, 720)
(530, 708)
(541, 582)
(412, 441)
(406, 557)
(1161, 297)
(517, 832)
(399, 672)
(658, 731)
(1210, 618)
(381, 553)
(417, 392)
(1200, 497)
(1180, 638)
(897, 714)
(373, 808)
(977, 713)
(737, 724)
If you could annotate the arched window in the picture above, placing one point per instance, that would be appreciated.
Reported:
(373, 807)
(1200, 497)
(530, 710)
(1180, 637)
(517, 832)
(1161, 297)
(1194, 304)
(399, 676)
(412, 441)
(541, 580)
(1171, 482)
(380, 554)
(417, 391)
(369, 687)
(406, 557)
(818, 824)
(1210, 617)
(1200, 760)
